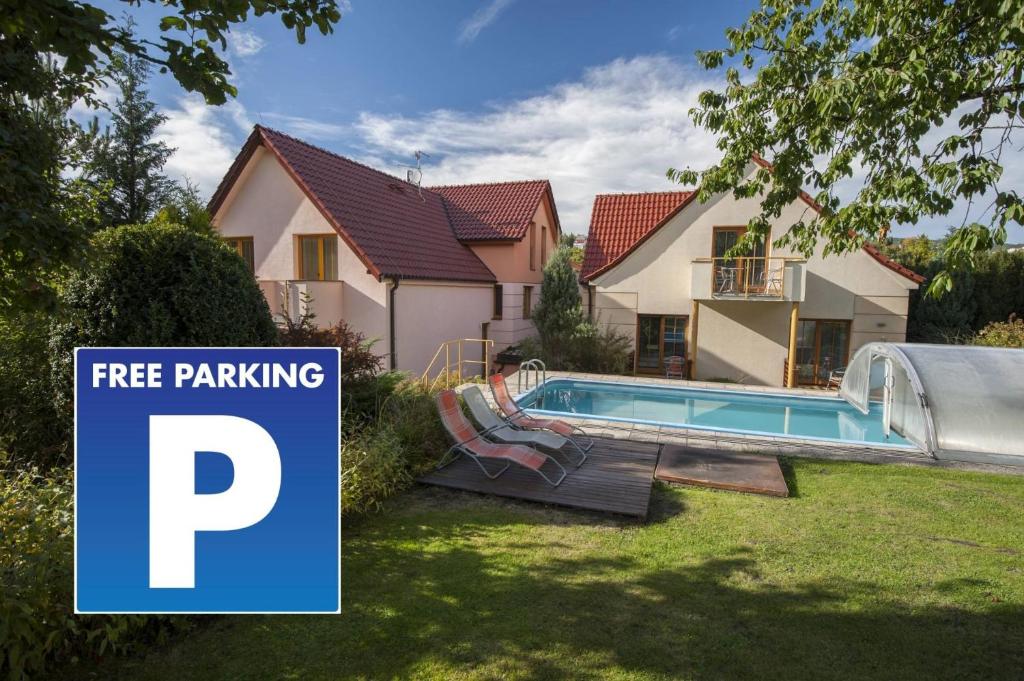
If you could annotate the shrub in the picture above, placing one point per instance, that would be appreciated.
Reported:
(38, 629)
(157, 285)
(384, 456)
(560, 310)
(589, 348)
(363, 387)
(1008, 334)
(373, 467)
(27, 412)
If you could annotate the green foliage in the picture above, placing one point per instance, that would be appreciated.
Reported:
(185, 42)
(184, 207)
(363, 388)
(27, 413)
(382, 457)
(861, 85)
(600, 350)
(915, 253)
(45, 215)
(54, 53)
(127, 160)
(1008, 334)
(559, 311)
(157, 285)
(38, 629)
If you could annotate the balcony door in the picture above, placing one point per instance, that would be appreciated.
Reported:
(659, 337)
(737, 275)
(822, 346)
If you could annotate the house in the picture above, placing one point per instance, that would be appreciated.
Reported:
(409, 266)
(655, 269)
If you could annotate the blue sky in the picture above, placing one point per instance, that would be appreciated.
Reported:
(591, 94)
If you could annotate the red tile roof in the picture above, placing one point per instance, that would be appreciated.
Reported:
(620, 222)
(498, 211)
(394, 228)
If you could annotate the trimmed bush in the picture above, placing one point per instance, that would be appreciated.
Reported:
(38, 630)
(157, 285)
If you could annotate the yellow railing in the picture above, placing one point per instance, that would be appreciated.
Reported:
(453, 349)
(748, 276)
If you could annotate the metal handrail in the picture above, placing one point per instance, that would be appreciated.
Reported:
(539, 369)
(734, 280)
(460, 362)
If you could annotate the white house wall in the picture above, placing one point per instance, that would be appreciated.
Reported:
(429, 313)
(267, 205)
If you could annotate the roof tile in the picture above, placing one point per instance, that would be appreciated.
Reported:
(496, 211)
(400, 230)
(620, 221)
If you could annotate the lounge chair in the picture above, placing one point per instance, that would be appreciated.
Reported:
(498, 429)
(469, 441)
(517, 418)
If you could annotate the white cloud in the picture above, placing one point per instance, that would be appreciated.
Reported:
(618, 129)
(673, 33)
(204, 145)
(245, 43)
(307, 128)
(481, 19)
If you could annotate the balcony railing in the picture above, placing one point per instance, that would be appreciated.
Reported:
(293, 298)
(751, 278)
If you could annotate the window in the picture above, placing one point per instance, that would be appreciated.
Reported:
(658, 338)
(737, 275)
(318, 257)
(543, 246)
(243, 246)
(822, 346)
(533, 245)
(498, 293)
(527, 301)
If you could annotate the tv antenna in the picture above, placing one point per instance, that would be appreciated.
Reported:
(415, 175)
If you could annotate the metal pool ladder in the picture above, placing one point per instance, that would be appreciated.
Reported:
(531, 367)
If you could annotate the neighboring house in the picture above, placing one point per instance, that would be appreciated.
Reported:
(655, 269)
(410, 267)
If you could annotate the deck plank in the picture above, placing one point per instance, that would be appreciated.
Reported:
(616, 478)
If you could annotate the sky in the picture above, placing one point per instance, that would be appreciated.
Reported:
(591, 94)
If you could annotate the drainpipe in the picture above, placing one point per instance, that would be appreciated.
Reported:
(391, 323)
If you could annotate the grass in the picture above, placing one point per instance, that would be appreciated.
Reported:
(867, 572)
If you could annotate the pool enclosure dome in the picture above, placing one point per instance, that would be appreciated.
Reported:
(956, 402)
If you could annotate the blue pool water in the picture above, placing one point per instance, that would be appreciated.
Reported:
(775, 414)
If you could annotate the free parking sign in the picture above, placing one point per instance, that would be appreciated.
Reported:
(207, 480)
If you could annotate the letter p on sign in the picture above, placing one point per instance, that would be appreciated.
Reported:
(176, 512)
(206, 498)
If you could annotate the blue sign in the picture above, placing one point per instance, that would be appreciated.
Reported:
(207, 480)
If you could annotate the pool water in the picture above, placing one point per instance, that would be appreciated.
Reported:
(774, 414)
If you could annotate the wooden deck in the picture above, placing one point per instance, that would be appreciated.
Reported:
(616, 478)
(722, 469)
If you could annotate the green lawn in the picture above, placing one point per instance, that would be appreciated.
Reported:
(867, 572)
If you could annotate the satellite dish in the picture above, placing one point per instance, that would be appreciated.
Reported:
(413, 176)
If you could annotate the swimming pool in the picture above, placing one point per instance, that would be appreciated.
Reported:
(722, 410)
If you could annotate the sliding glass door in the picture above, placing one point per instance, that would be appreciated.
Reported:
(659, 337)
(822, 346)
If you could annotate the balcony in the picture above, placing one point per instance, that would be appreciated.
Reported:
(292, 298)
(764, 279)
